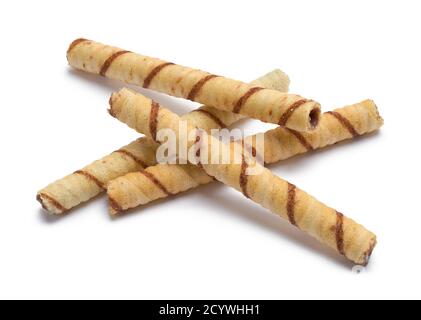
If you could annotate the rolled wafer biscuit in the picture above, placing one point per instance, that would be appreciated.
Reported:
(268, 105)
(85, 184)
(327, 225)
(137, 188)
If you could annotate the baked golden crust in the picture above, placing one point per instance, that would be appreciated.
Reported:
(281, 143)
(327, 225)
(85, 184)
(268, 105)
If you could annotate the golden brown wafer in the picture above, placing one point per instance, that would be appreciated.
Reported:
(268, 105)
(74, 189)
(130, 190)
(327, 225)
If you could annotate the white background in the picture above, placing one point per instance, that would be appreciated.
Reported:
(210, 242)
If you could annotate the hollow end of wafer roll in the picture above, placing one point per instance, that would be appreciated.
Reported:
(50, 205)
(303, 116)
(314, 117)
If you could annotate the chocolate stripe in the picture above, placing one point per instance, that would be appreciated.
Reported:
(153, 119)
(114, 204)
(199, 85)
(249, 147)
(291, 203)
(53, 201)
(287, 114)
(345, 122)
(75, 43)
(198, 146)
(301, 139)
(339, 232)
(109, 61)
(244, 177)
(154, 72)
(213, 117)
(242, 101)
(90, 177)
(132, 156)
(155, 181)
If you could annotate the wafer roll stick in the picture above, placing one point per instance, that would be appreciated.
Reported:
(335, 126)
(268, 105)
(281, 197)
(87, 183)
(137, 188)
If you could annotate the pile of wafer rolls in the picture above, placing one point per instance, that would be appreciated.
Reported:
(132, 176)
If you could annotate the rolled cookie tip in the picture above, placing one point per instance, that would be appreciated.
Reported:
(113, 207)
(367, 254)
(113, 109)
(50, 205)
(75, 43)
(376, 111)
(296, 121)
(110, 103)
(314, 117)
